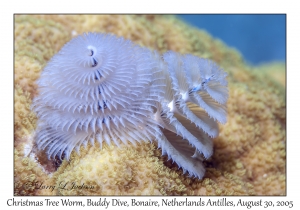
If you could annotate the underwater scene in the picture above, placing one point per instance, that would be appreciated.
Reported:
(260, 38)
(149, 105)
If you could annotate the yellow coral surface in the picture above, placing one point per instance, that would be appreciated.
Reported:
(249, 154)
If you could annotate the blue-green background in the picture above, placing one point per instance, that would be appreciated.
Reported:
(260, 38)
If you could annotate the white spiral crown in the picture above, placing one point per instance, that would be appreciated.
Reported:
(105, 88)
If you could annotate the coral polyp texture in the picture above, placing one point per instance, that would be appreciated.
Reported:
(248, 155)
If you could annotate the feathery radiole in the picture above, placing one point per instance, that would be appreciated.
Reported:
(106, 88)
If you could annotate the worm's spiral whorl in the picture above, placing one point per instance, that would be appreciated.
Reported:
(105, 88)
(192, 83)
(97, 87)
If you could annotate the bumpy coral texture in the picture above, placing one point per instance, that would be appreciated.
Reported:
(249, 154)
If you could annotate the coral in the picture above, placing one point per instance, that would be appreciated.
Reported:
(29, 175)
(275, 70)
(36, 40)
(249, 154)
(25, 120)
(252, 143)
(115, 171)
(139, 170)
(27, 171)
